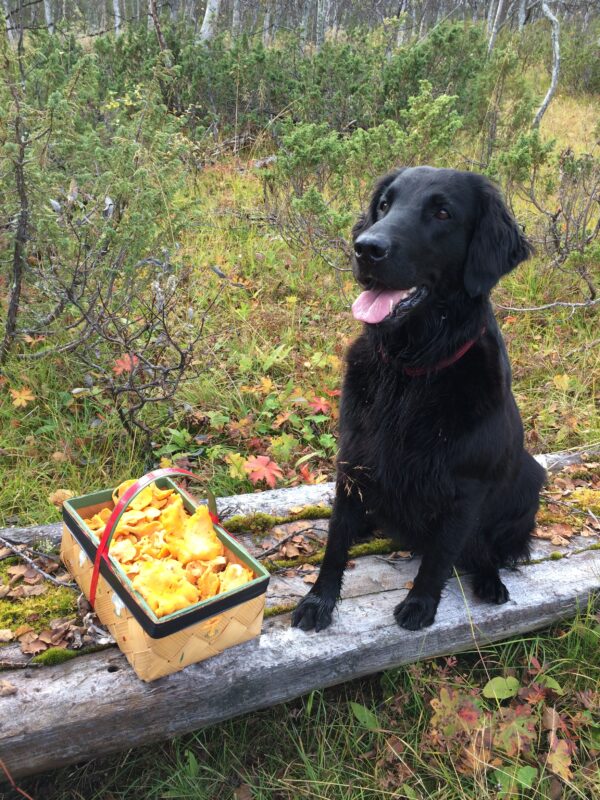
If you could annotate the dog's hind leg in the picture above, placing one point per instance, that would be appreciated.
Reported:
(349, 520)
(507, 540)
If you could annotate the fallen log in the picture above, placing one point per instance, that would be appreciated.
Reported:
(95, 705)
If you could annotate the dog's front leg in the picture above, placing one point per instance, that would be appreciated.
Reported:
(348, 520)
(443, 548)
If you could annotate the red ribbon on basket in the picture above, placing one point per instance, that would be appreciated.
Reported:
(124, 500)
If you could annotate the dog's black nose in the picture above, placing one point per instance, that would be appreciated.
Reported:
(371, 247)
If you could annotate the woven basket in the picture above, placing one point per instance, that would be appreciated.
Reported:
(156, 647)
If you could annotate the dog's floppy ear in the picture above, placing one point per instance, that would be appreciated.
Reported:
(497, 245)
(366, 219)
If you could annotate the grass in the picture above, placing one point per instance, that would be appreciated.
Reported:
(321, 746)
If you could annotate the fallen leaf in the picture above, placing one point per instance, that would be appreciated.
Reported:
(310, 578)
(59, 457)
(21, 630)
(6, 635)
(32, 576)
(58, 497)
(34, 647)
(262, 468)
(559, 759)
(17, 571)
(408, 585)
(561, 382)
(33, 591)
(7, 688)
(22, 397)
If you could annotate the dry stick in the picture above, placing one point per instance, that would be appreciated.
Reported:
(33, 565)
(586, 304)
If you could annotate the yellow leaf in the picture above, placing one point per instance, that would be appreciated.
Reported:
(561, 382)
(165, 462)
(236, 463)
(21, 397)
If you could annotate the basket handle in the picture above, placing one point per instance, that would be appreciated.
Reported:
(119, 509)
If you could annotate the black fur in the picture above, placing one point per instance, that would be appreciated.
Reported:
(434, 460)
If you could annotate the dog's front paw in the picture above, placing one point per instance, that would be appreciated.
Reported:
(416, 611)
(313, 611)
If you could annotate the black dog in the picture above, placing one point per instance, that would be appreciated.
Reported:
(431, 440)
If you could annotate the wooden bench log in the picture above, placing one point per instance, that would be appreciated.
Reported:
(95, 705)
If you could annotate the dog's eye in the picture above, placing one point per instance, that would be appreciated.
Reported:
(383, 205)
(442, 214)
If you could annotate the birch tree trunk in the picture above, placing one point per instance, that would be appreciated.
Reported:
(522, 13)
(555, 65)
(305, 23)
(496, 28)
(9, 25)
(490, 16)
(322, 8)
(266, 31)
(48, 16)
(236, 19)
(209, 23)
(116, 14)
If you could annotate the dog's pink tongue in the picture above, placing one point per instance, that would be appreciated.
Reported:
(376, 304)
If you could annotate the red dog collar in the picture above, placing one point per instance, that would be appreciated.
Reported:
(414, 372)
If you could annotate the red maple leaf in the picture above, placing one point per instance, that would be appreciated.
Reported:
(333, 392)
(125, 364)
(262, 468)
(320, 406)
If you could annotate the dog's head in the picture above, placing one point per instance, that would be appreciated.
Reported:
(429, 232)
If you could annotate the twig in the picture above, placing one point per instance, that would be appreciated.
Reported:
(21, 554)
(304, 531)
(11, 780)
(586, 304)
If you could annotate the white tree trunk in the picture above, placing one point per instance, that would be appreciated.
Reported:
(209, 24)
(522, 13)
(116, 14)
(322, 13)
(9, 24)
(266, 31)
(555, 65)
(496, 28)
(48, 16)
(305, 23)
(490, 16)
(236, 19)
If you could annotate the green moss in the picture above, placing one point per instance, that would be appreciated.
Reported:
(261, 523)
(274, 611)
(35, 611)
(54, 655)
(586, 499)
(372, 547)
(556, 556)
